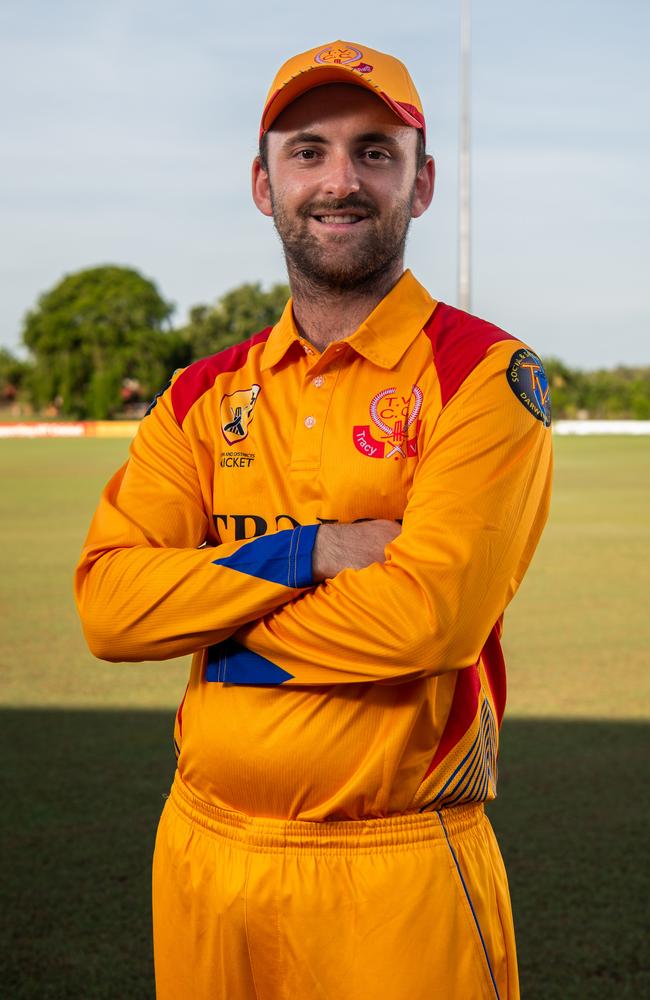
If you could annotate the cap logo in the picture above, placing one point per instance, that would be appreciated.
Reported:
(338, 55)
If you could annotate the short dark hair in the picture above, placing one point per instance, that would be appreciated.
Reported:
(420, 152)
(263, 150)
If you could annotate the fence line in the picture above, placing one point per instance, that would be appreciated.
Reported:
(127, 428)
(79, 429)
(584, 427)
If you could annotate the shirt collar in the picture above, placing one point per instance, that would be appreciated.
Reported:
(282, 336)
(382, 338)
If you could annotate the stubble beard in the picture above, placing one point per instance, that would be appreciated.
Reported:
(342, 264)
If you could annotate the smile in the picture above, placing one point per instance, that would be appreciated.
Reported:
(339, 220)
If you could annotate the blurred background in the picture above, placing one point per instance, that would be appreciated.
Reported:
(128, 130)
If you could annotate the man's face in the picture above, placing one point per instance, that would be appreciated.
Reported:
(342, 186)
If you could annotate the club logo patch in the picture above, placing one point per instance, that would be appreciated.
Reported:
(527, 379)
(237, 413)
(395, 416)
(338, 55)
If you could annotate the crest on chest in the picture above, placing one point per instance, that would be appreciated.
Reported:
(237, 413)
(393, 431)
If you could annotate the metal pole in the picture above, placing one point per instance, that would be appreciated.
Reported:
(464, 171)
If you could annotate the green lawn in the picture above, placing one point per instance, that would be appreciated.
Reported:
(87, 746)
(578, 632)
(50, 489)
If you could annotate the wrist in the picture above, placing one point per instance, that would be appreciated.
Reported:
(324, 552)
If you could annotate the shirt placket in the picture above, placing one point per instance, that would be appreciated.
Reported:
(318, 385)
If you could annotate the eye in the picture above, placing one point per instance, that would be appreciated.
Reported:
(306, 154)
(375, 154)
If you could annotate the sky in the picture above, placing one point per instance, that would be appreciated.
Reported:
(128, 128)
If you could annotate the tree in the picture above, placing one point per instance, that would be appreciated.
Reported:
(235, 317)
(92, 331)
(604, 394)
(13, 373)
(567, 389)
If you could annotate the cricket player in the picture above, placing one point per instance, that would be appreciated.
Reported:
(332, 518)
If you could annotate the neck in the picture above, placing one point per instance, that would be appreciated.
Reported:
(324, 315)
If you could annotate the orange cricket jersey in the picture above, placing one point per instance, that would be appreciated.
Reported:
(381, 690)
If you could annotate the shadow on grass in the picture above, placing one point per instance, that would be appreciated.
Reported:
(83, 792)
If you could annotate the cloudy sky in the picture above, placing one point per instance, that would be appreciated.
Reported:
(128, 128)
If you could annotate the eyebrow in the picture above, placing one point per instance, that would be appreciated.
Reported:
(303, 137)
(381, 138)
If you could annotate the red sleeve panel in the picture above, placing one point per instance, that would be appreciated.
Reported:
(459, 342)
(192, 383)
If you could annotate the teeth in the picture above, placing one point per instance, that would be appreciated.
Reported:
(345, 219)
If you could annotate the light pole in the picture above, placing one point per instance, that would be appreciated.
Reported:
(464, 164)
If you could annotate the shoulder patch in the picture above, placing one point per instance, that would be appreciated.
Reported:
(459, 342)
(199, 377)
(527, 379)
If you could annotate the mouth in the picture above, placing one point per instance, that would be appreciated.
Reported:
(339, 221)
(349, 219)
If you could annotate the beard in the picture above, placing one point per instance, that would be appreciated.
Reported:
(343, 263)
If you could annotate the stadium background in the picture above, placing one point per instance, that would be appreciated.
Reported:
(108, 173)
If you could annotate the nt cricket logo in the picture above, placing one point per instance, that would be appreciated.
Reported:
(237, 413)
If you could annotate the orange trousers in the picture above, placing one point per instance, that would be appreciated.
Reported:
(411, 907)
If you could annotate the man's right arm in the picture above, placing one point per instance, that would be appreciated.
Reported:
(146, 585)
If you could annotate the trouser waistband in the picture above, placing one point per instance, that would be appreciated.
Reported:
(339, 837)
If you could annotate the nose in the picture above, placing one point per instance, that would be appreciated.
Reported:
(341, 178)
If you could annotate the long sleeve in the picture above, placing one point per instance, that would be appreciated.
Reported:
(147, 585)
(477, 505)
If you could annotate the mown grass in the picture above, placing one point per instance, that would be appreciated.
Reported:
(578, 632)
(50, 489)
(87, 752)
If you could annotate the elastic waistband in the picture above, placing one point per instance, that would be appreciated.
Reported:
(339, 837)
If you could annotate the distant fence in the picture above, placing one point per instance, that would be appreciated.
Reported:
(80, 429)
(602, 427)
(127, 428)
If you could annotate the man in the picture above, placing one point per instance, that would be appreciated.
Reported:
(332, 518)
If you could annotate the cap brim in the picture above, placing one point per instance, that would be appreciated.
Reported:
(318, 76)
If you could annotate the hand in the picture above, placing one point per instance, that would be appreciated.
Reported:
(351, 546)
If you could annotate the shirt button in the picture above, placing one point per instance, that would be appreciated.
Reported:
(318, 381)
(309, 422)
(307, 349)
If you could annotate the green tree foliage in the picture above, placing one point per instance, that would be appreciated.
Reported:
(13, 372)
(236, 316)
(106, 328)
(618, 393)
(92, 331)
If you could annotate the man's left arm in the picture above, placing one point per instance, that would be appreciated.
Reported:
(475, 512)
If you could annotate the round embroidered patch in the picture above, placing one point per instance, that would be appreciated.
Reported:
(527, 379)
(333, 56)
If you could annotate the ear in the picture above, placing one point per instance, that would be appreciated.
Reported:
(261, 188)
(425, 180)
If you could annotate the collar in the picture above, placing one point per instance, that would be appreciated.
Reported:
(382, 338)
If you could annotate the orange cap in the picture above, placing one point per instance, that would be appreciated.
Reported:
(345, 62)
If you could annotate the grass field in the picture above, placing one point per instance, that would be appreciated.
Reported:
(87, 749)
